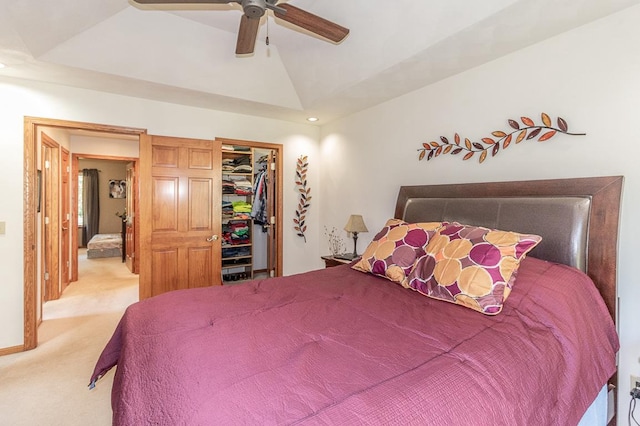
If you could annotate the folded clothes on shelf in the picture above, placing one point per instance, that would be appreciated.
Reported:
(241, 207)
(236, 251)
(243, 169)
(236, 232)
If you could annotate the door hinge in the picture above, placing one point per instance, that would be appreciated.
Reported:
(272, 220)
(273, 166)
(47, 164)
(46, 276)
(272, 273)
(46, 220)
(68, 169)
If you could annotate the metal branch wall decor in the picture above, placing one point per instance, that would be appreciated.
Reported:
(500, 140)
(304, 194)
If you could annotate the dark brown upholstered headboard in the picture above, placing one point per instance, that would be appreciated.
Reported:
(563, 221)
(577, 218)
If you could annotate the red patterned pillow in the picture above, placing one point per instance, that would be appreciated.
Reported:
(394, 250)
(471, 266)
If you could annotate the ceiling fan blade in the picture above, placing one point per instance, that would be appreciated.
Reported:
(247, 35)
(311, 22)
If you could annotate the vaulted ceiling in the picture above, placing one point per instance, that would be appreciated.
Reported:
(186, 54)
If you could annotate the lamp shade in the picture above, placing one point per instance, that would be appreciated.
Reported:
(355, 224)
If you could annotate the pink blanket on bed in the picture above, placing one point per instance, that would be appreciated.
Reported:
(337, 346)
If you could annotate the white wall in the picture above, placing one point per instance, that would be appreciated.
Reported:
(22, 98)
(111, 146)
(589, 76)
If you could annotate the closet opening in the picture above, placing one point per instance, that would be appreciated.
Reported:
(251, 216)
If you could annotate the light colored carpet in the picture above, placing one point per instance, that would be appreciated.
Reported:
(48, 385)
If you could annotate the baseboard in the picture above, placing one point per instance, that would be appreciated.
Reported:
(11, 350)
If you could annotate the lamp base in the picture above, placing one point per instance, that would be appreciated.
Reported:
(346, 256)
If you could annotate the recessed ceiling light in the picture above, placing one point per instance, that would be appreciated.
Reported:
(312, 119)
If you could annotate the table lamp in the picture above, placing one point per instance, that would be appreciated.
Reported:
(355, 225)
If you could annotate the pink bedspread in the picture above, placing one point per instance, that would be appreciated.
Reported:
(337, 346)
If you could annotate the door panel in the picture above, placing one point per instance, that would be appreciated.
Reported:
(165, 272)
(165, 203)
(180, 210)
(200, 267)
(200, 204)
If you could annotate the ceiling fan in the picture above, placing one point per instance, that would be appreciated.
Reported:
(253, 11)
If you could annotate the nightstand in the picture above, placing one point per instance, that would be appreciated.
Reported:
(330, 261)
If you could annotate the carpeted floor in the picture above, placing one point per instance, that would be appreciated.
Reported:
(48, 385)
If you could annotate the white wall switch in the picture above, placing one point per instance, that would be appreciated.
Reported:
(2, 225)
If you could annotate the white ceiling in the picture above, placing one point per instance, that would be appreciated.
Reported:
(186, 54)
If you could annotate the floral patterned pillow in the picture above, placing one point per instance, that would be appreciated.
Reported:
(471, 266)
(394, 250)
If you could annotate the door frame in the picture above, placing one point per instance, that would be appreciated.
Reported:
(75, 170)
(30, 247)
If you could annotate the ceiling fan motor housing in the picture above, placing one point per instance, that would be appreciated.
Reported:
(253, 8)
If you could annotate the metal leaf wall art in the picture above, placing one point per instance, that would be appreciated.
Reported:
(499, 141)
(304, 197)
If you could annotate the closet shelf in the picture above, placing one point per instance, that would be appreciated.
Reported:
(236, 265)
(236, 257)
(241, 260)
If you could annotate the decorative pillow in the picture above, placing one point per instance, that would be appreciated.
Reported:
(471, 266)
(394, 250)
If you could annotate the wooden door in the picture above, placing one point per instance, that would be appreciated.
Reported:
(130, 225)
(50, 218)
(180, 214)
(65, 233)
(44, 209)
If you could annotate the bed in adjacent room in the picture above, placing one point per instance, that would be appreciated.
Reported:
(478, 304)
(104, 245)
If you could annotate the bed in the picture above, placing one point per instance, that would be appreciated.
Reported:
(342, 346)
(104, 245)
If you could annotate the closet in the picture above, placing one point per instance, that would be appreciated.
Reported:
(248, 174)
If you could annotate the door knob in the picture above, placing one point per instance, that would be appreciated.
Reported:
(212, 238)
(64, 228)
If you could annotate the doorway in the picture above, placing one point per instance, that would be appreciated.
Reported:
(117, 215)
(32, 128)
(267, 232)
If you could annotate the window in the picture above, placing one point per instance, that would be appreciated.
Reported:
(80, 193)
